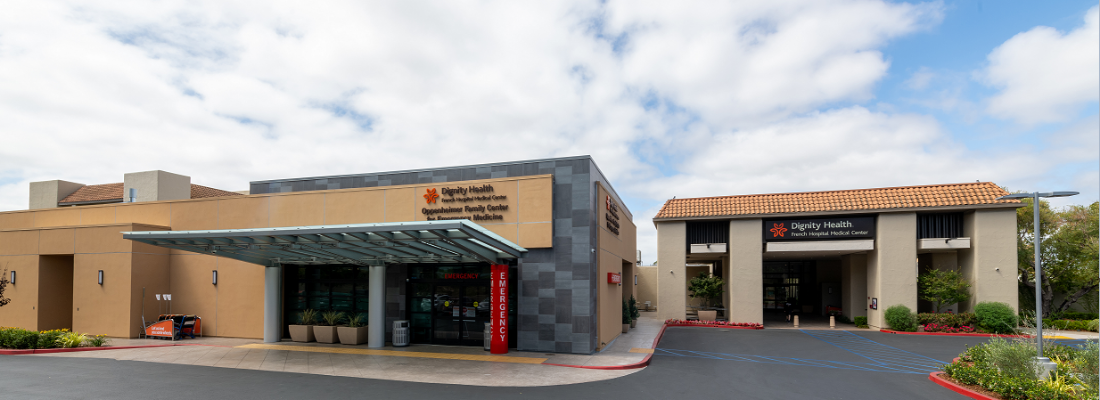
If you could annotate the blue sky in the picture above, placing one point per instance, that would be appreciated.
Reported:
(681, 99)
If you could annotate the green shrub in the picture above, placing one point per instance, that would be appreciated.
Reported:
(995, 317)
(899, 318)
(1070, 325)
(332, 318)
(97, 340)
(952, 320)
(357, 320)
(18, 338)
(307, 317)
(861, 322)
(1077, 316)
(626, 312)
(841, 318)
(48, 339)
(634, 313)
(71, 339)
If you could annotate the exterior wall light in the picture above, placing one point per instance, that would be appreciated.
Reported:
(100, 277)
(215, 278)
(12, 280)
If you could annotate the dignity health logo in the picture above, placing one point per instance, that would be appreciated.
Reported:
(778, 230)
(430, 196)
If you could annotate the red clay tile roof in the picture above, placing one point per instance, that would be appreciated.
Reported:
(103, 193)
(960, 194)
(202, 192)
(112, 192)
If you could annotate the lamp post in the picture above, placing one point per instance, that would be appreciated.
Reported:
(1038, 271)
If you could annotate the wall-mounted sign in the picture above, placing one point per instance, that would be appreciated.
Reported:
(460, 276)
(470, 197)
(611, 217)
(614, 277)
(498, 318)
(825, 228)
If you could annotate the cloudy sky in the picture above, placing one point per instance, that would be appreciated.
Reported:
(671, 98)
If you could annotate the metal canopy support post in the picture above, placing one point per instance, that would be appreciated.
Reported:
(273, 282)
(376, 316)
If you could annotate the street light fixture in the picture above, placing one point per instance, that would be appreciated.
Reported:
(1038, 286)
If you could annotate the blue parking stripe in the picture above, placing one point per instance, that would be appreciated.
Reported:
(877, 352)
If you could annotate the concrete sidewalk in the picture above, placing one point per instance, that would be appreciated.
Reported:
(461, 365)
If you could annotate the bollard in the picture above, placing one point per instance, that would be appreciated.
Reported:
(795, 321)
(832, 322)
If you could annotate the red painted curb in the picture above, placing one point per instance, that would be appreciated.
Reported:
(12, 352)
(935, 377)
(946, 333)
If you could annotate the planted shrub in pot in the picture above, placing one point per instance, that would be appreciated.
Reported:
(634, 314)
(355, 332)
(303, 331)
(326, 330)
(709, 288)
(626, 317)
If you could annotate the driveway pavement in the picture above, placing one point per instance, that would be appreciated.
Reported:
(690, 362)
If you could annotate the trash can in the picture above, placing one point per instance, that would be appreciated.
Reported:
(400, 333)
(488, 335)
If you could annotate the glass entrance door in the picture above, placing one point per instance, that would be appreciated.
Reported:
(459, 314)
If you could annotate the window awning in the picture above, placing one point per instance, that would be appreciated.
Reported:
(449, 241)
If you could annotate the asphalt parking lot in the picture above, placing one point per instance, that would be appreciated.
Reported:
(689, 362)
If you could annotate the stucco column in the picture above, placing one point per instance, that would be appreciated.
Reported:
(273, 283)
(376, 316)
(853, 285)
(892, 266)
(990, 262)
(746, 277)
(671, 270)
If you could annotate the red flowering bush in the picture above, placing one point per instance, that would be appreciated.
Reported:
(948, 328)
(712, 323)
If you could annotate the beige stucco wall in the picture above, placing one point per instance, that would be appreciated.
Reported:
(647, 285)
(46, 194)
(616, 254)
(746, 289)
(853, 285)
(990, 263)
(892, 266)
(91, 235)
(671, 271)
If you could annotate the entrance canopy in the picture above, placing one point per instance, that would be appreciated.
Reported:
(450, 241)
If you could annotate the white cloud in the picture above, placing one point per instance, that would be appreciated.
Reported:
(920, 79)
(1045, 75)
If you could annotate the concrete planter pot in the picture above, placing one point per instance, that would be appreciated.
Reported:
(708, 315)
(633, 323)
(626, 328)
(302, 333)
(357, 335)
(325, 334)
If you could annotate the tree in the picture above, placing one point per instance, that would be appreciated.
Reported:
(943, 288)
(4, 285)
(707, 287)
(1069, 252)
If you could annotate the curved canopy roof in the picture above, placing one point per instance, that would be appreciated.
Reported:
(358, 244)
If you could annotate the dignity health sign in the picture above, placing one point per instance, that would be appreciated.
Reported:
(825, 228)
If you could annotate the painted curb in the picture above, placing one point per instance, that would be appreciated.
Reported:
(946, 334)
(935, 377)
(648, 357)
(719, 326)
(13, 352)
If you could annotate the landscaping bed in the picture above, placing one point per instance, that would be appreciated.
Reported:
(1007, 369)
(22, 339)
